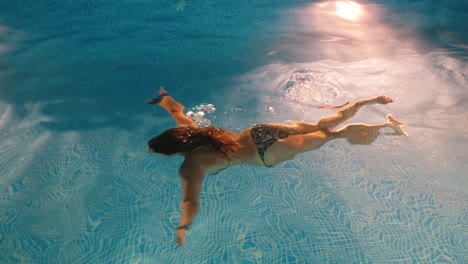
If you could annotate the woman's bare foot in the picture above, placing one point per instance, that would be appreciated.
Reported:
(395, 124)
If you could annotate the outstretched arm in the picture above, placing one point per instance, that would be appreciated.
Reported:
(192, 177)
(174, 108)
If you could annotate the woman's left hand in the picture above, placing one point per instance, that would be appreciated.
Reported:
(180, 236)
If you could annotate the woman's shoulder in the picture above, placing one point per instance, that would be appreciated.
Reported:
(204, 158)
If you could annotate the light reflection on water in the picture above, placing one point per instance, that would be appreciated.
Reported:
(343, 31)
(348, 10)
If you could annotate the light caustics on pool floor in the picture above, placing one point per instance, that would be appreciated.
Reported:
(95, 196)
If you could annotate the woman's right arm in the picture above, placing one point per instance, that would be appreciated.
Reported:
(192, 177)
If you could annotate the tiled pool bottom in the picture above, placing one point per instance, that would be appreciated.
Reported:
(95, 197)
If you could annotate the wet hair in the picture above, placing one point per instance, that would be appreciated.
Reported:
(188, 138)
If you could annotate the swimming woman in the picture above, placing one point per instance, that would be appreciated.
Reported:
(208, 150)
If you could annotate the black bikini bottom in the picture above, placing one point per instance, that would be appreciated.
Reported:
(263, 136)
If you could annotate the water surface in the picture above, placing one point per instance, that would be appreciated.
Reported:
(76, 183)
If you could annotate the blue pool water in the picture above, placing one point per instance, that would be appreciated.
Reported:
(76, 183)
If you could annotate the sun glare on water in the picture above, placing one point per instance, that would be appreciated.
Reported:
(348, 10)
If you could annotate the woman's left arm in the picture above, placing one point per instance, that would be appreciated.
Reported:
(192, 177)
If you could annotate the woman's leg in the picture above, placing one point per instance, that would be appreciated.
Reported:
(328, 123)
(366, 134)
(174, 108)
(286, 148)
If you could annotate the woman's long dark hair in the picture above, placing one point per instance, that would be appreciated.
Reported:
(188, 138)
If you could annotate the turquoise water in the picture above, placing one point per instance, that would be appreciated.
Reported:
(76, 182)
